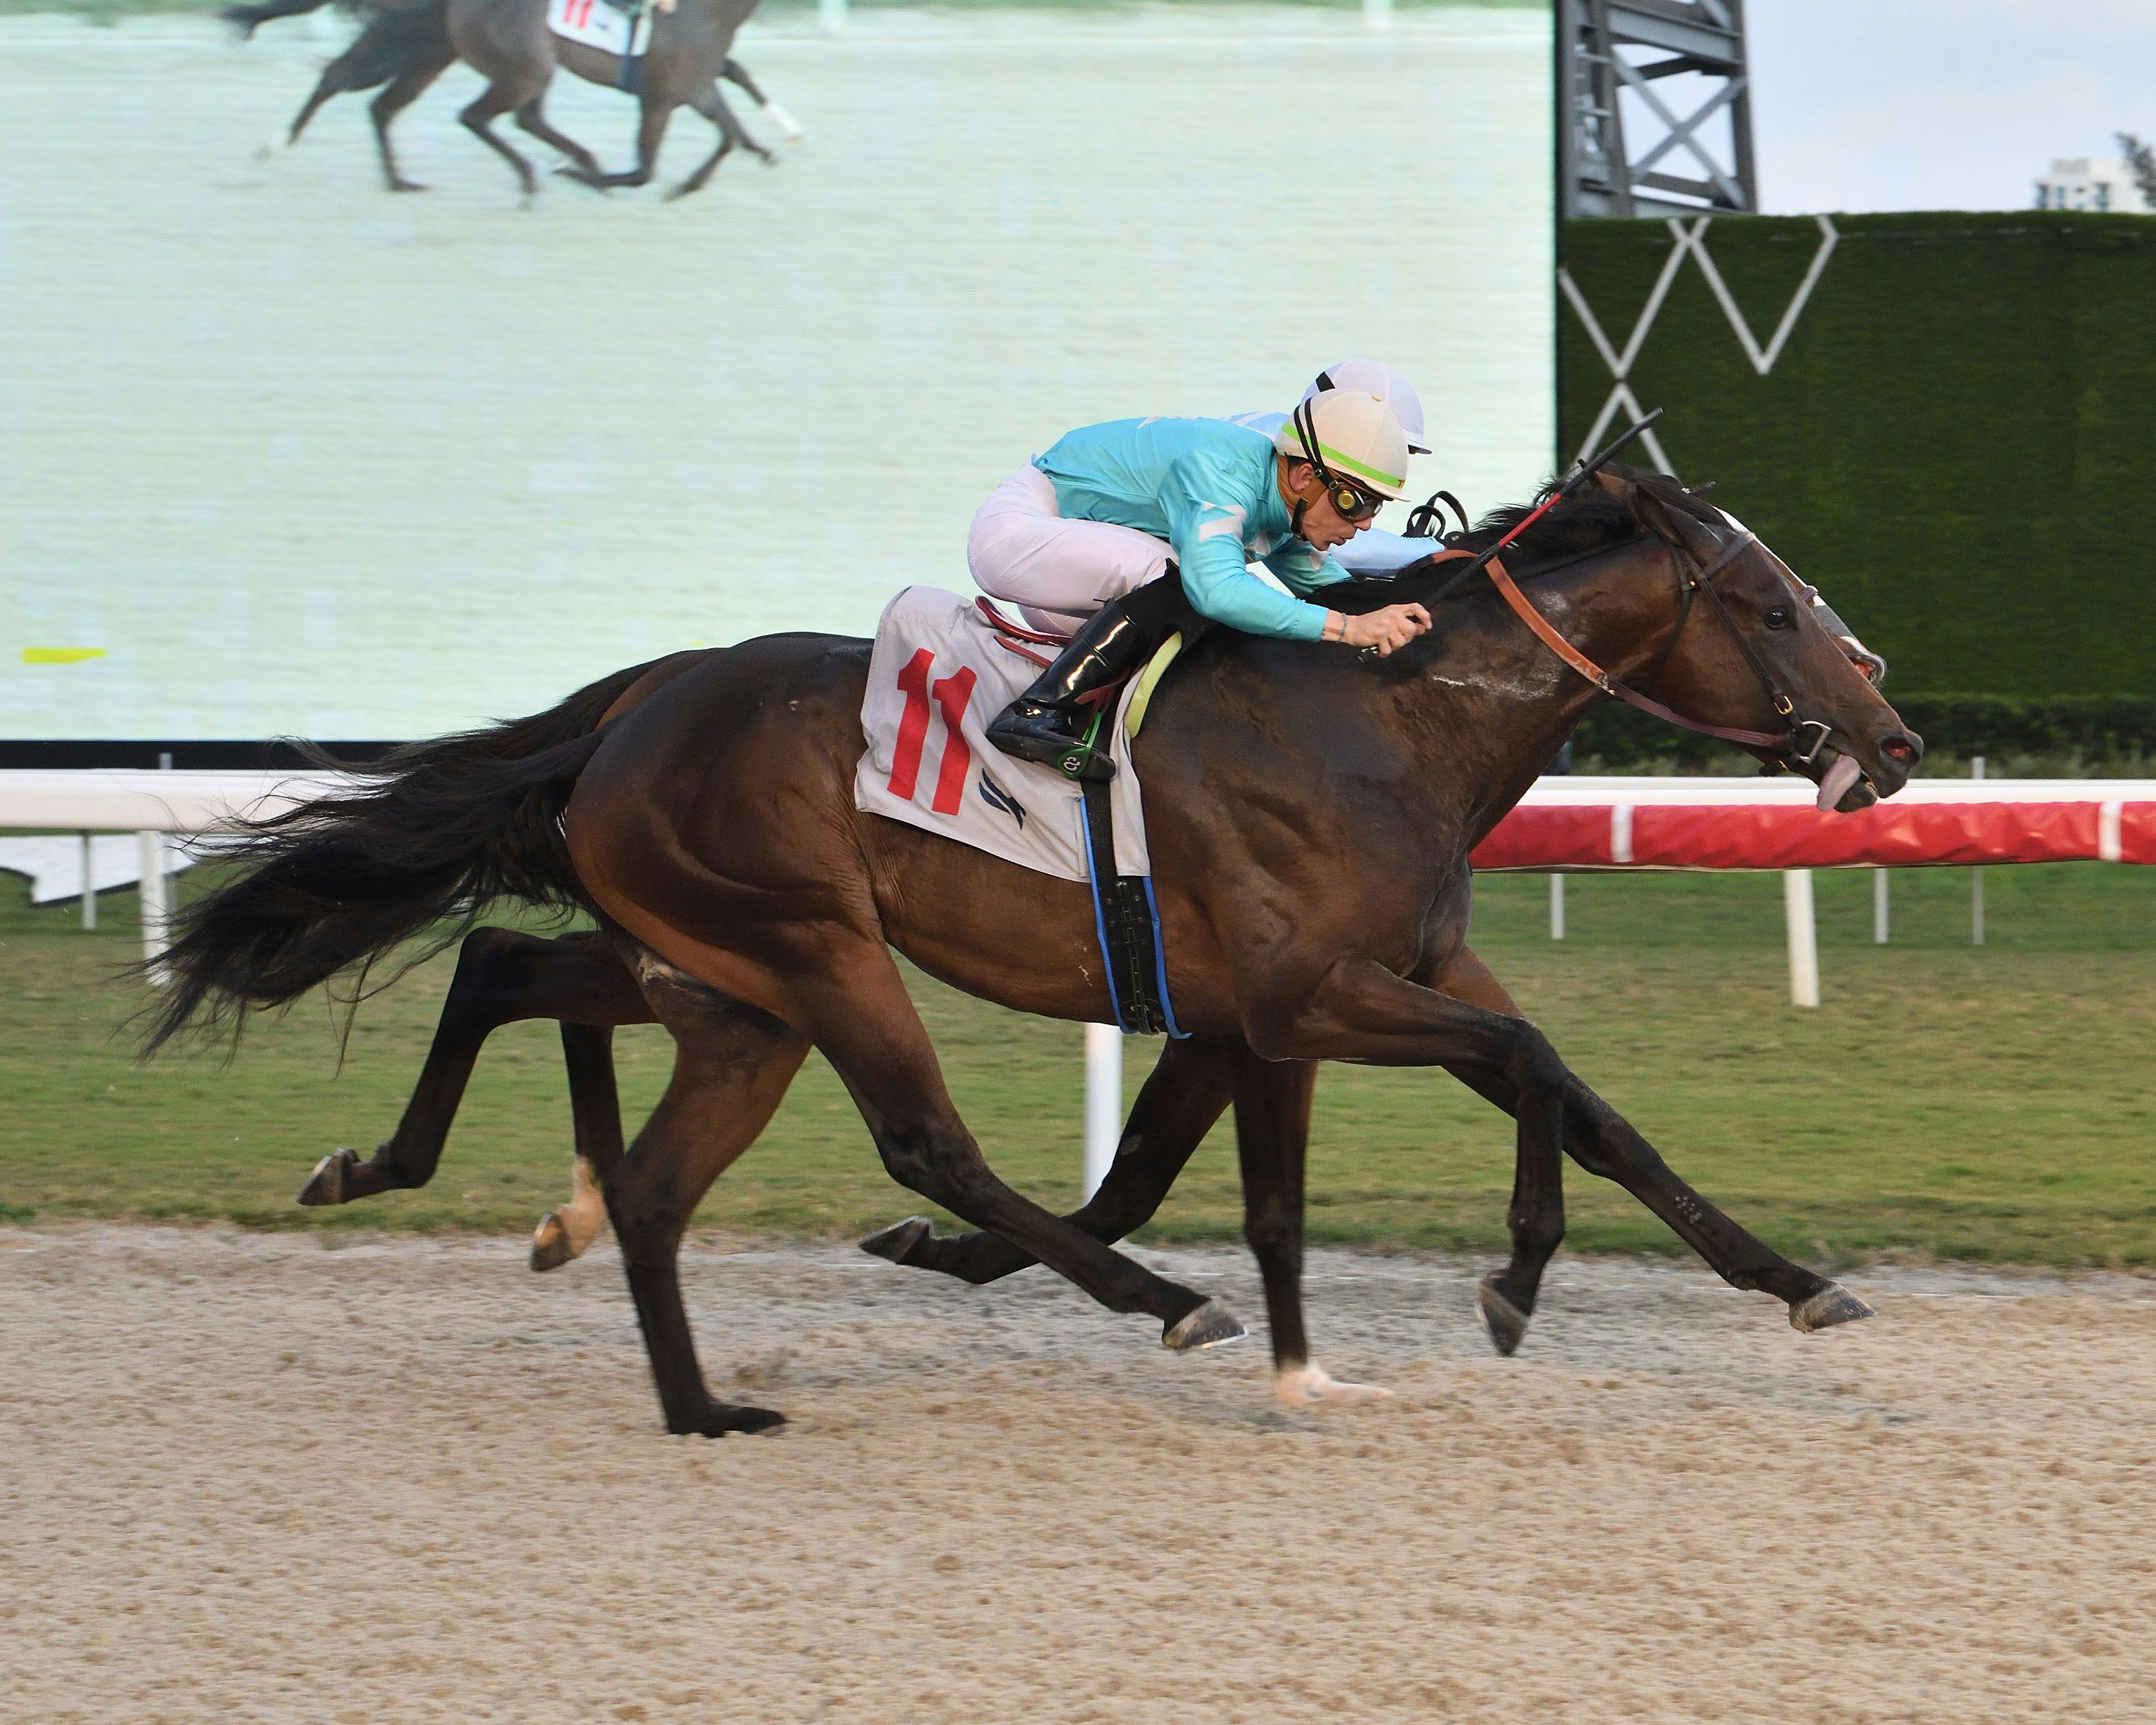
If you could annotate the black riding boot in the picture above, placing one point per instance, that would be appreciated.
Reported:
(1046, 723)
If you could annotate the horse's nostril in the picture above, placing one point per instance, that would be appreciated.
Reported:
(1898, 748)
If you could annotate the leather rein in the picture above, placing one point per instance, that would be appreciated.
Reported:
(1803, 739)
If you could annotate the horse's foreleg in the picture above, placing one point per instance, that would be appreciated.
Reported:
(650, 133)
(532, 118)
(1272, 1135)
(477, 119)
(730, 1070)
(1189, 1090)
(1362, 1012)
(1536, 1215)
(865, 1025)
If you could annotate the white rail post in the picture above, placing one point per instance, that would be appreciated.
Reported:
(156, 903)
(89, 887)
(831, 15)
(1879, 907)
(1377, 14)
(1803, 937)
(1557, 905)
(1104, 1101)
(1976, 875)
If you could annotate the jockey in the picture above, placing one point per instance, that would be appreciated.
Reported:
(1079, 537)
(1372, 553)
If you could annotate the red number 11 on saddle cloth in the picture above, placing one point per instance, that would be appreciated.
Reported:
(950, 695)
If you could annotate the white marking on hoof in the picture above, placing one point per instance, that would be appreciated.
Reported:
(566, 1234)
(1307, 1386)
(789, 128)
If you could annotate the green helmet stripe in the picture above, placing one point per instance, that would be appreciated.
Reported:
(1353, 465)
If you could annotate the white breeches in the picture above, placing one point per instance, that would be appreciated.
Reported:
(1058, 573)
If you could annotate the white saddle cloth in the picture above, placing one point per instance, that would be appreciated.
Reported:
(597, 24)
(940, 672)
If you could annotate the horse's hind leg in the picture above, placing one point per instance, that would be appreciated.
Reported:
(650, 132)
(501, 977)
(865, 1025)
(566, 1233)
(731, 1066)
(713, 107)
(1188, 1090)
(400, 93)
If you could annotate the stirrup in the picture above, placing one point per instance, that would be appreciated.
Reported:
(1035, 735)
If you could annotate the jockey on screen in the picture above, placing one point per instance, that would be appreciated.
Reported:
(1080, 536)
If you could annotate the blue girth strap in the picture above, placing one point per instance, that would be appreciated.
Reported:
(1128, 922)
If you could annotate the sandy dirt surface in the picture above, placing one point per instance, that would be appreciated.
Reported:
(252, 1478)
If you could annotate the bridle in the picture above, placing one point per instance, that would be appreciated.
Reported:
(1801, 741)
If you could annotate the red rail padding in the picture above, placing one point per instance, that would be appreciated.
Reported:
(1547, 839)
(1782, 836)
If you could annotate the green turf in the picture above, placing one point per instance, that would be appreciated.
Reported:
(1946, 1102)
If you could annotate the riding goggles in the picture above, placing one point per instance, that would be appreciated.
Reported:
(1352, 502)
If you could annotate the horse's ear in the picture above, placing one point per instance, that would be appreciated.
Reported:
(1668, 519)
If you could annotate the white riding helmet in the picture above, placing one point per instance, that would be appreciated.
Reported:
(1350, 436)
(1389, 386)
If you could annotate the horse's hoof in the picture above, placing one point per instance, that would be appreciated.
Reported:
(550, 1245)
(895, 1241)
(1208, 1325)
(1310, 1386)
(326, 1185)
(726, 1417)
(407, 185)
(1506, 1322)
(1832, 1304)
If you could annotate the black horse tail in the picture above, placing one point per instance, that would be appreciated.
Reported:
(433, 833)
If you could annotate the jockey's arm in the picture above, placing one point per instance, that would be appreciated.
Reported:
(1207, 522)
(1306, 570)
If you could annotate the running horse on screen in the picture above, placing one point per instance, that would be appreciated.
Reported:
(1310, 815)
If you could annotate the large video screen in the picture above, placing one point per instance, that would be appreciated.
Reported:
(283, 454)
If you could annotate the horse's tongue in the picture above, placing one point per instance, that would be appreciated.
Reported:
(1834, 786)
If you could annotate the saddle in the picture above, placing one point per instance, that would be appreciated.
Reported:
(1040, 647)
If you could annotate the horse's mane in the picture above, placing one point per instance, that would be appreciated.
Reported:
(1580, 526)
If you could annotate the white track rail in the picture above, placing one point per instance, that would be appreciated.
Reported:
(158, 805)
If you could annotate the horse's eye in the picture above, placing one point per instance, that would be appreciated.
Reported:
(1779, 618)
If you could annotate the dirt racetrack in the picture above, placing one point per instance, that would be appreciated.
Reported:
(248, 1478)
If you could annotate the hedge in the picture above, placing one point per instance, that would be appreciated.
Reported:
(1956, 444)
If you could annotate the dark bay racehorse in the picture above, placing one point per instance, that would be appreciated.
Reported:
(406, 45)
(1310, 817)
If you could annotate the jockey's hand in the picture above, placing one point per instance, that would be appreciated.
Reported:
(1385, 631)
